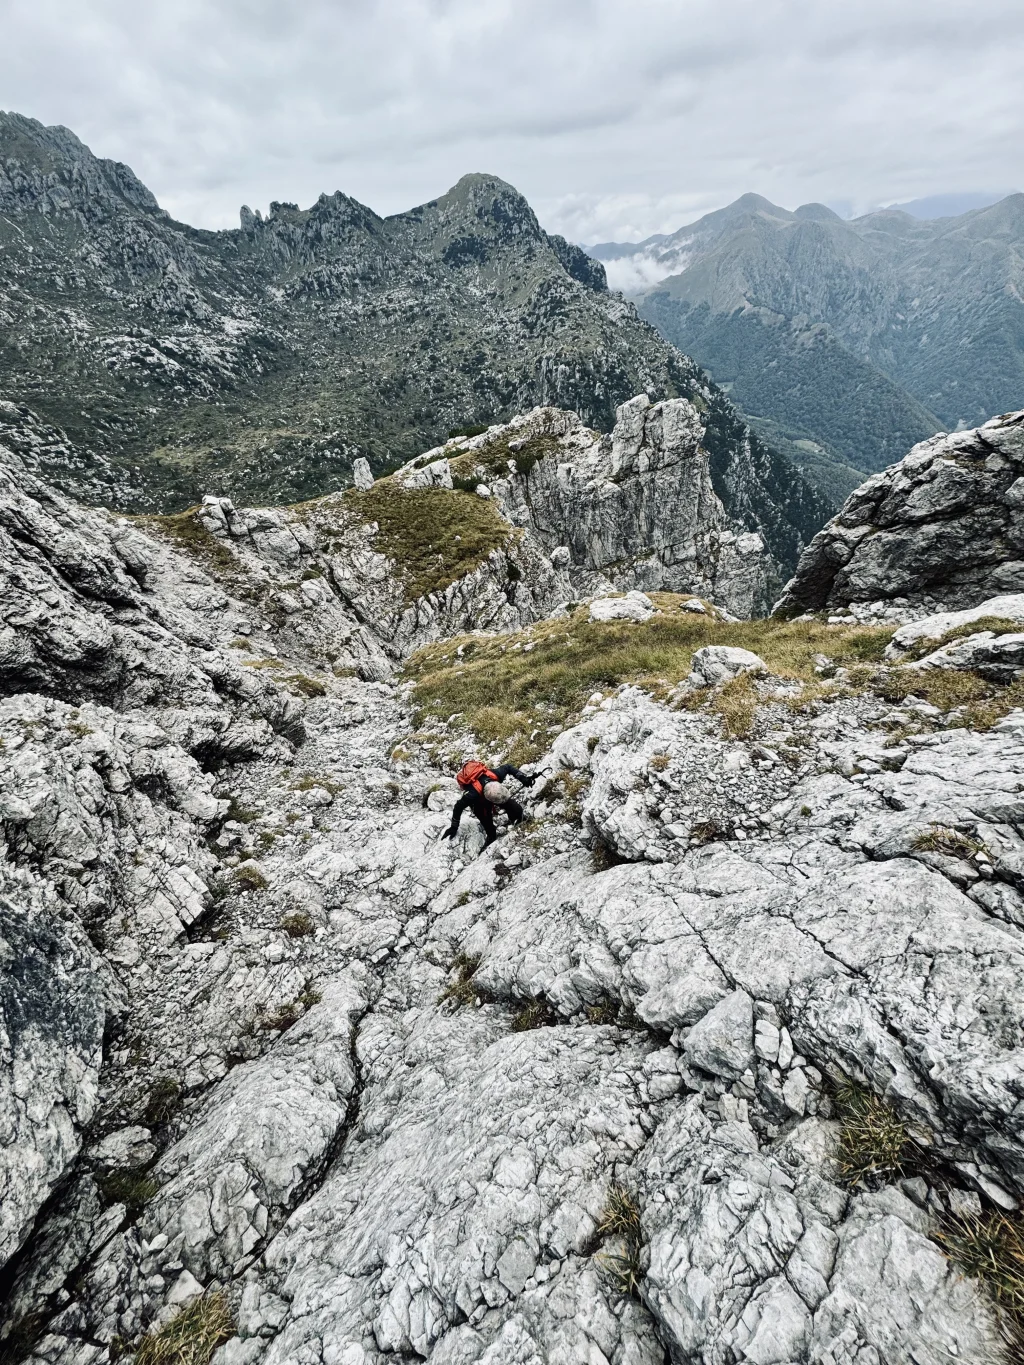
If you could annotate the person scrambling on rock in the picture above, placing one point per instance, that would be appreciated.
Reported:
(482, 790)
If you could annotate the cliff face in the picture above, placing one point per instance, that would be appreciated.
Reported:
(636, 509)
(261, 362)
(285, 1074)
(941, 527)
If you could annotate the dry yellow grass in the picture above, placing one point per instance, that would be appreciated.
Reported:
(192, 1336)
(513, 698)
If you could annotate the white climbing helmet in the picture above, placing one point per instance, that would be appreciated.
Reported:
(496, 793)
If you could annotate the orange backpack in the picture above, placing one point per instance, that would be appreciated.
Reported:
(474, 774)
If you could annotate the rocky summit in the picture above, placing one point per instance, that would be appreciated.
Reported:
(715, 1057)
(260, 363)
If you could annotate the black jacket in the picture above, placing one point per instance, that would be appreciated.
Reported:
(475, 801)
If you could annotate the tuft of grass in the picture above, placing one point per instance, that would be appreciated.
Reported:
(990, 1248)
(307, 781)
(605, 1012)
(620, 1221)
(298, 924)
(304, 685)
(533, 1014)
(875, 1145)
(133, 1189)
(192, 1336)
(250, 878)
(952, 842)
(509, 698)
(657, 762)
(461, 990)
(164, 1098)
(416, 527)
(245, 815)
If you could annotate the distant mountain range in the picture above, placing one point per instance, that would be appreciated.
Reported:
(843, 342)
(262, 361)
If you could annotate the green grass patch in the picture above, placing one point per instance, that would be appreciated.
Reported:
(982, 703)
(133, 1189)
(192, 1336)
(417, 528)
(510, 700)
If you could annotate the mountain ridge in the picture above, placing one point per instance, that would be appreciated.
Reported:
(263, 360)
(923, 319)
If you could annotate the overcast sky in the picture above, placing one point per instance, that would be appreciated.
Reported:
(616, 118)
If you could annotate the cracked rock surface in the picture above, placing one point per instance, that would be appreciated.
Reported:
(569, 1099)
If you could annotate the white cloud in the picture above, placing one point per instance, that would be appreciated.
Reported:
(617, 120)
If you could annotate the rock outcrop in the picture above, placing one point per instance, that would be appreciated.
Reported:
(633, 510)
(942, 529)
(271, 1046)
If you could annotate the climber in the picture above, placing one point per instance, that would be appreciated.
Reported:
(482, 790)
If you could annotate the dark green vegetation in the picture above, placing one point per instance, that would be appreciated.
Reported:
(833, 413)
(261, 361)
(875, 1146)
(844, 342)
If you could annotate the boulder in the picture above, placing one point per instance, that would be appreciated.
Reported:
(362, 475)
(940, 529)
(722, 1043)
(437, 474)
(635, 606)
(1000, 658)
(716, 664)
(1010, 606)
